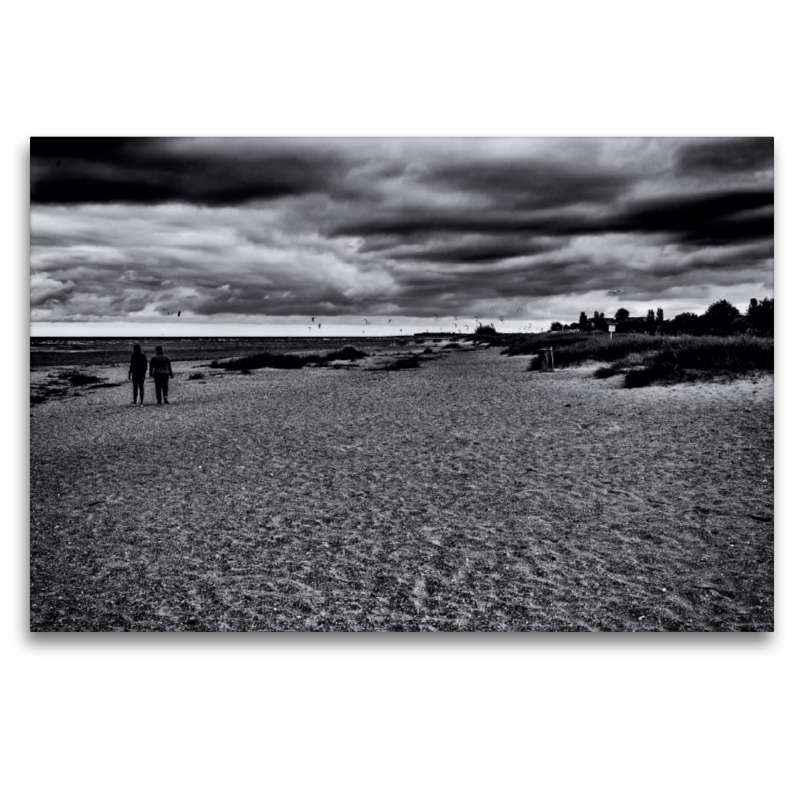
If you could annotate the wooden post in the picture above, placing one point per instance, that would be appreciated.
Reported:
(546, 359)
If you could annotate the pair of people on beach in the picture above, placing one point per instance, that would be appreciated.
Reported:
(160, 372)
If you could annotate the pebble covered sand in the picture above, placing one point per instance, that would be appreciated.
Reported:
(467, 495)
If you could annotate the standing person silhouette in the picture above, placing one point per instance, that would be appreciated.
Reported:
(161, 372)
(137, 372)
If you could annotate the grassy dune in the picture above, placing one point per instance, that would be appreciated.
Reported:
(645, 359)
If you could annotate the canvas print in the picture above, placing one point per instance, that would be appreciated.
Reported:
(411, 385)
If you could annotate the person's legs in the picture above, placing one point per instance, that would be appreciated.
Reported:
(138, 383)
(157, 379)
(166, 388)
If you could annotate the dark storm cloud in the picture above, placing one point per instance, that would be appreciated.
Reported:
(726, 156)
(532, 183)
(552, 278)
(242, 297)
(443, 292)
(468, 249)
(234, 171)
(711, 218)
(72, 171)
(325, 227)
(502, 195)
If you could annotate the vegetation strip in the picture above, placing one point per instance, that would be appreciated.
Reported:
(287, 360)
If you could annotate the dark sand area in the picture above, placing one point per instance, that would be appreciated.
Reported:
(466, 495)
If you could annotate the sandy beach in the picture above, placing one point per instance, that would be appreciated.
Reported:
(467, 495)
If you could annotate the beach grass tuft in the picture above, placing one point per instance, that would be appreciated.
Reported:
(606, 372)
(79, 379)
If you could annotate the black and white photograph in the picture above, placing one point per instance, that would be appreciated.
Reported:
(390, 400)
(402, 384)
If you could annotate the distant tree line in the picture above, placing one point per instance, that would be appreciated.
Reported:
(720, 318)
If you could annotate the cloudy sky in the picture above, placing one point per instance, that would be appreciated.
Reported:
(257, 236)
